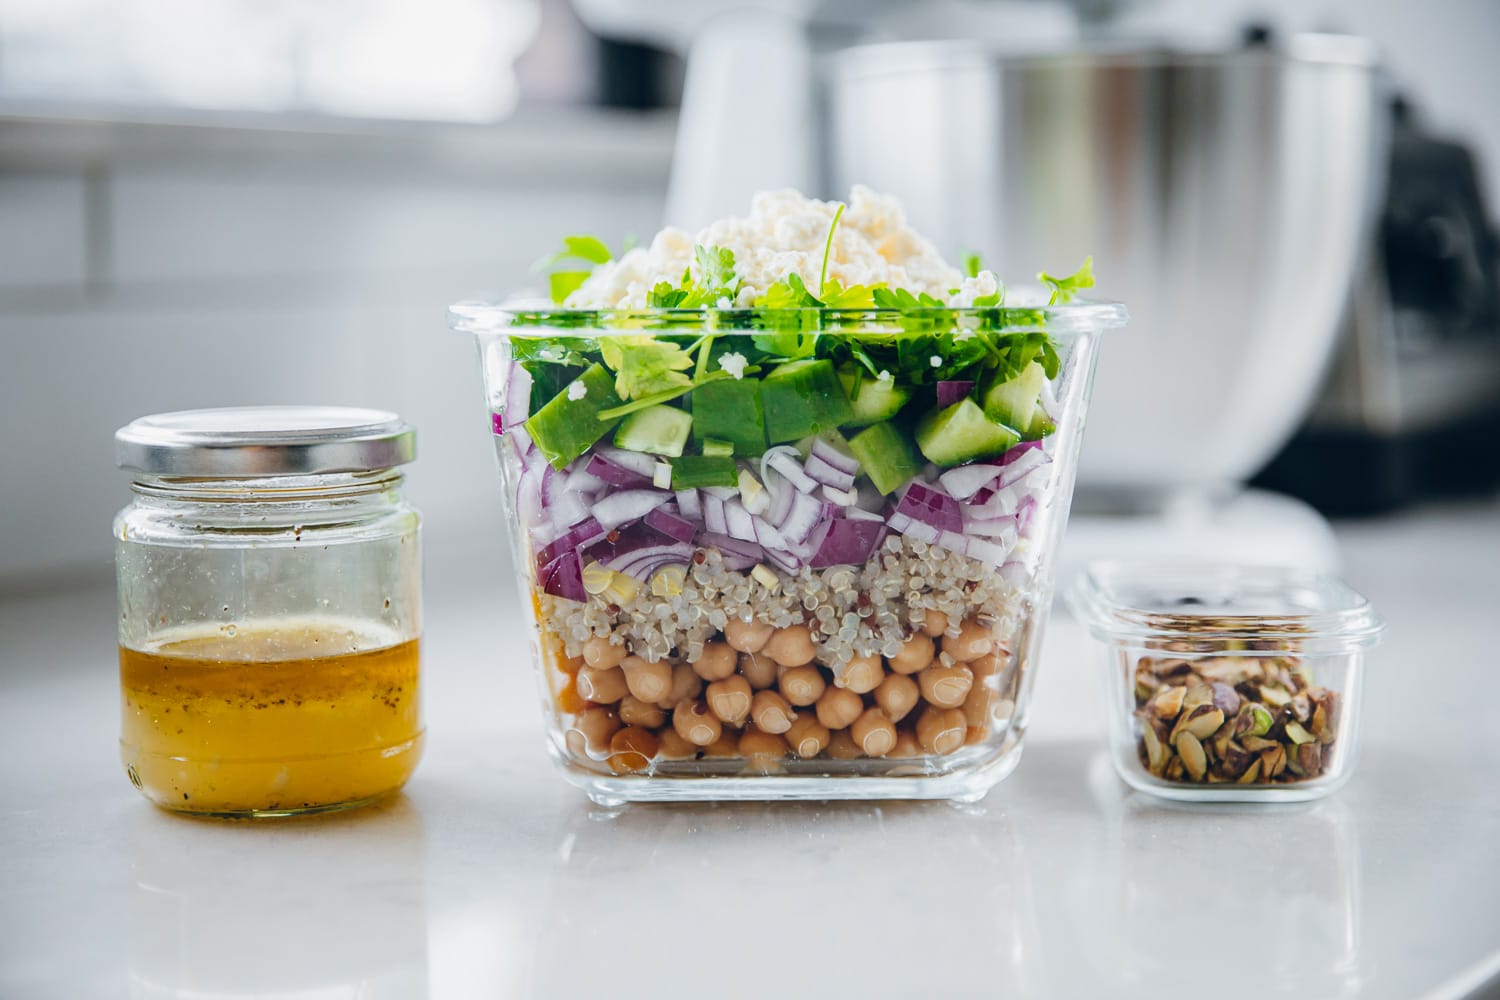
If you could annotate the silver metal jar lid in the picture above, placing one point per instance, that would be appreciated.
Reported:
(249, 441)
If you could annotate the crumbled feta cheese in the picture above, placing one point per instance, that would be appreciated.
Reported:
(577, 390)
(982, 284)
(884, 376)
(661, 476)
(784, 233)
(936, 361)
(734, 364)
(723, 302)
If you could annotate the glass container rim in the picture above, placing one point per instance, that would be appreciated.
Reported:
(490, 316)
(1222, 602)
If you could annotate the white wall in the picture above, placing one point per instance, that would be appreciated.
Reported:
(190, 270)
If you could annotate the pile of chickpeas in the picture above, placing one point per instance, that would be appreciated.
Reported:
(757, 693)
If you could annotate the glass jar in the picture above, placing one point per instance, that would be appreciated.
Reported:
(1229, 683)
(269, 582)
(759, 585)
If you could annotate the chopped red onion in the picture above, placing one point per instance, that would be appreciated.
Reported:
(986, 551)
(737, 554)
(950, 391)
(827, 475)
(965, 481)
(909, 526)
(1022, 466)
(804, 515)
(639, 462)
(827, 452)
(784, 460)
(578, 536)
(625, 506)
(615, 474)
(691, 507)
(931, 506)
(738, 522)
(713, 513)
(840, 498)
(842, 541)
(672, 525)
(642, 563)
(563, 577)
(516, 404)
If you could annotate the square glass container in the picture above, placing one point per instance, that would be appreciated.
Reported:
(1229, 683)
(770, 592)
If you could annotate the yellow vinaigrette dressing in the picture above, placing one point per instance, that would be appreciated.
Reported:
(282, 716)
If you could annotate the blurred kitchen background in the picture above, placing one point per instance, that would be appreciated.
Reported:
(214, 202)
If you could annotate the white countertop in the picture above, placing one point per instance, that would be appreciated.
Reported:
(492, 877)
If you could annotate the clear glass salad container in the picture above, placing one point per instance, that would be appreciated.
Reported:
(786, 553)
(1229, 683)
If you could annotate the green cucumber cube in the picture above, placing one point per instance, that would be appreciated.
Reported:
(801, 398)
(691, 471)
(729, 410)
(1014, 402)
(962, 433)
(658, 430)
(566, 427)
(875, 399)
(885, 456)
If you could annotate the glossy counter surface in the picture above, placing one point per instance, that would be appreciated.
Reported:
(492, 877)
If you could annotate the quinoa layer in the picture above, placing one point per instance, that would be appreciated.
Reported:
(852, 611)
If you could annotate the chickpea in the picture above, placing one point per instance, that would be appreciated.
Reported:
(716, 663)
(603, 687)
(589, 734)
(897, 695)
(634, 712)
(761, 671)
(673, 746)
(972, 642)
(730, 700)
(935, 624)
(763, 750)
(906, 744)
(802, 685)
(807, 736)
(977, 707)
(942, 730)
(686, 685)
(727, 745)
(647, 681)
(601, 654)
(791, 646)
(772, 713)
(863, 674)
(747, 637)
(874, 732)
(695, 723)
(984, 666)
(631, 749)
(914, 655)
(841, 746)
(946, 687)
(838, 707)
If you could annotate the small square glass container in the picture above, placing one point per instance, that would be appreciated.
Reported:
(1229, 683)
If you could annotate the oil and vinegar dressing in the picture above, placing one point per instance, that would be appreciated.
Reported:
(288, 715)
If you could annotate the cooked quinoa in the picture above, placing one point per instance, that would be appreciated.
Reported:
(852, 611)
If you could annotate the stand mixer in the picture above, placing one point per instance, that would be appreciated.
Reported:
(1228, 197)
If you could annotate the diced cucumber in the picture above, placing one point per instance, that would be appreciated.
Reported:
(691, 471)
(566, 427)
(1013, 402)
(659, 430)
(1041, 425)
(801, 398)
(875, 399)
(885, 456)
(962, 433)
(729, 410)
(713, 446)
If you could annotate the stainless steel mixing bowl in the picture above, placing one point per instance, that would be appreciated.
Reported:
(1226, 197)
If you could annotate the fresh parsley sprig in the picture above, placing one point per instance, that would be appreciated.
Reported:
(1064, 290)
